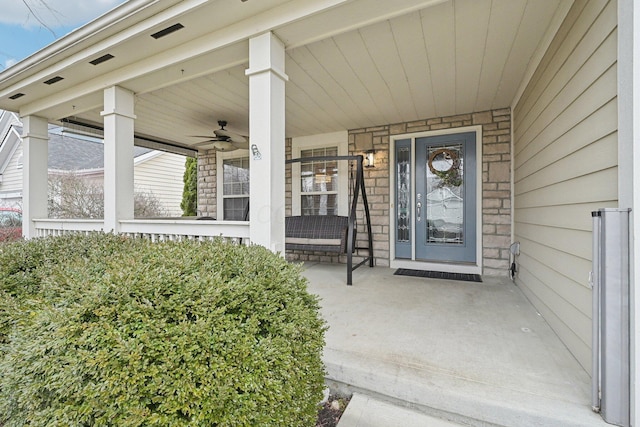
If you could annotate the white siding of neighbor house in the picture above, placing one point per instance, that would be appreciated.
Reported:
(565, 166)
(12, 176)
(162, 175)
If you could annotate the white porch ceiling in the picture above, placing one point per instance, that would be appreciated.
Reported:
(355, 64)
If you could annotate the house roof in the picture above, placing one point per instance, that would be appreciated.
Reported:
(351, 63)
(69, 153)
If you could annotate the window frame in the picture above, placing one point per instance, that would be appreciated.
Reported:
(338, 139)
(221, 156)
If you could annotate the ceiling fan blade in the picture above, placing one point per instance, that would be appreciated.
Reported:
(235, 137)
(240, 145)
(223, 140)
(203, 143)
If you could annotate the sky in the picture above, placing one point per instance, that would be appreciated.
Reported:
(27, 26)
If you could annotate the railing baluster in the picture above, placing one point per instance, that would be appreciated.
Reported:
(176, 230)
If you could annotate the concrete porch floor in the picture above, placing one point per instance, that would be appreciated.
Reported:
(471, 353)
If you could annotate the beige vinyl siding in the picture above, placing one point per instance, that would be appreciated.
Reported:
(162, 175)
(565, 166)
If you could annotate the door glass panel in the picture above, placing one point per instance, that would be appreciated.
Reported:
(403, 225)
(445, 194)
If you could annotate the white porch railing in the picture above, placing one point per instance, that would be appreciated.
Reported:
(161, 229)
(58, 227)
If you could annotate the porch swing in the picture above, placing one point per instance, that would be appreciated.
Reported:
(332, 233)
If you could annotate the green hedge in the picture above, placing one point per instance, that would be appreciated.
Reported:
(110, 331)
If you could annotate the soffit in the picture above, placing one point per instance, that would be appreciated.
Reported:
(355, 64)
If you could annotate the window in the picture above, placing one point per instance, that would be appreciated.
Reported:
(319, 183)
(234, 198)
(320, 187)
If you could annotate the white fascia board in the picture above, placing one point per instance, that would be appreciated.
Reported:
(73, 39)
(49, 63)
(146, 157)
(10, 143)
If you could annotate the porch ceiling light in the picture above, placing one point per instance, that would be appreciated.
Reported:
(370, 159)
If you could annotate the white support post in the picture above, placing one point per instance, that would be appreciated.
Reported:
(118, 157)
(267, 133)
(35, 153)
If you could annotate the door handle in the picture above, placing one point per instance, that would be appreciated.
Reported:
(419, 207)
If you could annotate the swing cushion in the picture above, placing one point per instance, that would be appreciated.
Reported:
(327, 233)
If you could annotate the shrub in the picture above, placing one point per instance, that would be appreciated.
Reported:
(105, 330)
(189, 202)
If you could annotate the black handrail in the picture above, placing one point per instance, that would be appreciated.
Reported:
(359, 187)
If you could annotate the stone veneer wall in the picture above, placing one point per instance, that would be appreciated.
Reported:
(207, 191)
(496, 180)
(496, 186)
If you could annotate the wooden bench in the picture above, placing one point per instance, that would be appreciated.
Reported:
(326, 233)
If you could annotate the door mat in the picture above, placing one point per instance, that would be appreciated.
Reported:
(438, 275)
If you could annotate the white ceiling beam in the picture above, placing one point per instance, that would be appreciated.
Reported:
(354, 15)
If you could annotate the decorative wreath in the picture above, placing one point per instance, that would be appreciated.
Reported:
(450, 177)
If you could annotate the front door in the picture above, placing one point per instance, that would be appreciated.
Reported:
(441, 225)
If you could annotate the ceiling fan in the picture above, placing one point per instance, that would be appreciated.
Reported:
(224, 140)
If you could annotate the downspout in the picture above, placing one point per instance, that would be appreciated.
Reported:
(628, 91)
(513, 197)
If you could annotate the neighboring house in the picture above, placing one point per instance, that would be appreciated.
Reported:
(155, 172)
(10, 160)
(539, 100)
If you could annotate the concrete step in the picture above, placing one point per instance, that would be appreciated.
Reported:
(367, 411)
(446, 396)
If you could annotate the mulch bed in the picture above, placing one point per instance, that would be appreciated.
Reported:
(329, 414)
(331, 411)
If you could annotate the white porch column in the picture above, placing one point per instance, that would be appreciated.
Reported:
(35, 153)
(118, 157)
(266, 133)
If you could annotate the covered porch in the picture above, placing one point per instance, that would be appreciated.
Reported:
(532, 85)
(367, 70)
(472, 353)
